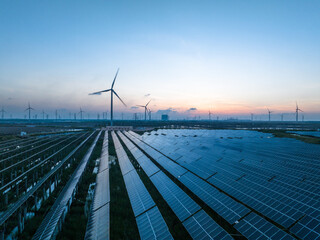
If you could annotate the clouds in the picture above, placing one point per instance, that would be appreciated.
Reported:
(147, 95)
(192, 109)
(166, 111)
(134, 107)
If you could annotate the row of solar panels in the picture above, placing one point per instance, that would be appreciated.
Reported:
(221, 203)
(24, 147)
(24, 198)
(258, 181)
(5, 144)
(196, 221)
(49, 226)
(98, 226)
(290, 164)
(150, 222)
(269, 166)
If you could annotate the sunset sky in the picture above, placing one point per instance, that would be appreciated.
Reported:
(231, 57)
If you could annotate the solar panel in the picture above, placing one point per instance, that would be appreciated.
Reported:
(255, 227)
(152, 226)
(98, 224)
(149, 220)
(148, 166)
(104, 159)
(139, 196)
(307, 228)
(201, 226)
(170, 166)
(225, 206)
(124, 162)
(261, 171)
(49, 226)
(102, 190)
(181, 204)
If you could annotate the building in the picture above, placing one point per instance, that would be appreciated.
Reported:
(164, 117)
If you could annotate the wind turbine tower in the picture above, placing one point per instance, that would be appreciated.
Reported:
(81, 111)
(43, 113)
(145, 109)
(297, 112)
(29, 109)
(2, 113)
(269, 112)
(112, 92)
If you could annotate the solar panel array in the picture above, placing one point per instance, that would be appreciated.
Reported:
(277, 178)
(47, 228)
(98, 226)
(151, 224)
(196, 221)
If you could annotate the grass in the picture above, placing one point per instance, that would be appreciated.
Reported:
(284, 134)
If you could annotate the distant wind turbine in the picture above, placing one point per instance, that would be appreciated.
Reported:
(297, 112)
(145, 109)
(81, 111)
(149, 113)
(2, 113)
(269, 112)
(210, 115)
(112, 92)
(29, 109)
(43, 113)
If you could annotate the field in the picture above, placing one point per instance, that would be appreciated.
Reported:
(192, 182)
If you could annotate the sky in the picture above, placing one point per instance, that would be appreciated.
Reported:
(188, 57)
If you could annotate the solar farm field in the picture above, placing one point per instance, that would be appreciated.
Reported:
(37, 174)
(263, 186)
(164, 184)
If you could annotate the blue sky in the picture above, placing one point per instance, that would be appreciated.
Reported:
(233, 57)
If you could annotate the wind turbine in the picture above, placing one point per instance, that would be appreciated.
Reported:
(145, 109)
(2, 113)
(112, 92)
(251, 117)
(43, 113)
(297, 112)
(269, 112)
(149, 113)
(81, 111)
(29, 109)
(210, 115)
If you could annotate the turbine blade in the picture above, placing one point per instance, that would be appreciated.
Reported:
(115, 77)
(118, 97)
(99, 93)
(148, 102)
(139, 105)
